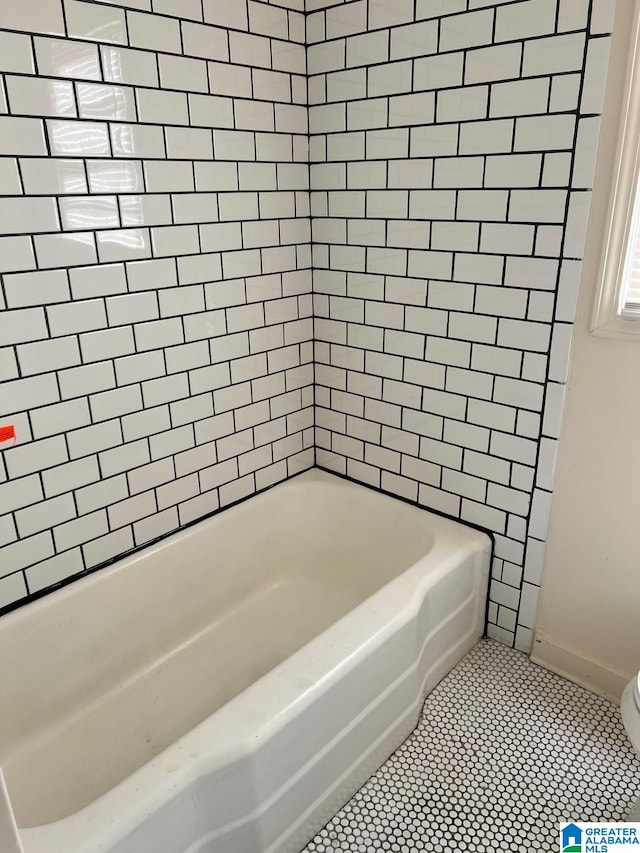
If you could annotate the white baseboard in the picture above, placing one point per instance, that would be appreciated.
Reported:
(596, 676)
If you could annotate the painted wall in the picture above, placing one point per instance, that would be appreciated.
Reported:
(155, 301)
(452, 160)
(589, 620)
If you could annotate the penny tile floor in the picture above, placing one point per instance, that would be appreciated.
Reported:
(503, 752)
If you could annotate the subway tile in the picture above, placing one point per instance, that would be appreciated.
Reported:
(81, 214)
(507, 98)
(145, 423)
(56, 569)
(36, 288)
(495, 63)
(45, 515)
(226, 13)
(346, 19)
(419, 39)
(130, 67)
(93, 439)
(36, 455)
(211, 111)
(175, 240)
(208, 42)
(145, 210)
(156, 106)
(78, 139)
(461, 31)
(124, 458)
(390, 79)
(130, 140)
(45, 356)
(53, 177)
(361, 50)
(128, 244)
(179, 9)
(154, 32)
(106, 547)
(553, 132)
(16, 253)
(565, 92)
(8, 364)
(231, 80)
(553, 55)
(61, 250)
(82, 530)
(595, 75)
(115, 403)
(111, 103)
(96, 23)
(525, 20)
(189, 143)
(16, 53)
(38, 96)
(24, 215)
(179, 72)
(111, 176)
(27, 552)
(66, 58)
(107, 344)
(22, 136)
(47, 18)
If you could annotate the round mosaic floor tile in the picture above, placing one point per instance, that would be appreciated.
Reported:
(504, 751)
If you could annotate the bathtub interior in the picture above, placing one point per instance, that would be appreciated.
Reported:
(132, 658)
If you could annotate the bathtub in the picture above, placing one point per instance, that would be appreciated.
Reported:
(228, 689)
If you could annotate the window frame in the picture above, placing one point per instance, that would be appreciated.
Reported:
(606, 321)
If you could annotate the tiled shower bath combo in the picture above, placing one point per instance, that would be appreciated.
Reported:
(241, 241)
(157, 324)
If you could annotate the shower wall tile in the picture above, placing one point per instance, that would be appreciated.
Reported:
(156, 330)
(452, 156)
(167, 312)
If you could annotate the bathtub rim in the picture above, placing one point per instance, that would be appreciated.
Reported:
(32, 597)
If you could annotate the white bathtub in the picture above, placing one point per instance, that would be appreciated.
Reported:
(228, 689)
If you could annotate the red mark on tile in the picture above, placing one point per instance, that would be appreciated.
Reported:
(8, 433)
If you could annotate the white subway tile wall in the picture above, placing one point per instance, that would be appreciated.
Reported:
(156, 329)
(167, 312)
(453, 145)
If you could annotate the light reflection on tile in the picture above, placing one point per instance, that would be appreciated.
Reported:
(66, 58)
(82, 214)
(140, 210)
(40, 97)
(80, 139)
(130, 140)
(123, 245)
(54, 176)
(98, 23)
(114, 176)
(106, 102)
